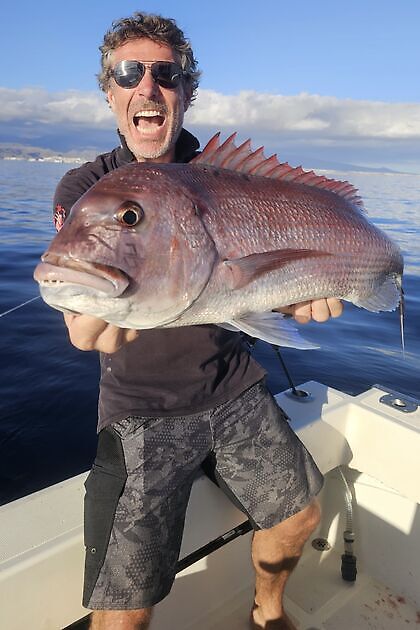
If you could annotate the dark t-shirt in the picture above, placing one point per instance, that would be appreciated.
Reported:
(171, 371)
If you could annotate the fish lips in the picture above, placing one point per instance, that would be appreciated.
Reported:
(57, 273)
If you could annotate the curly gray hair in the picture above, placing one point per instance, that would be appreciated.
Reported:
(157, 28)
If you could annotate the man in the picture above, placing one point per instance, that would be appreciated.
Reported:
(172, 398)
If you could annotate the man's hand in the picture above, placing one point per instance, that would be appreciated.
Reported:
(90, 333)
(319, 310)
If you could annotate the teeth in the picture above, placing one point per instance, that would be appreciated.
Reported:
(149, 113)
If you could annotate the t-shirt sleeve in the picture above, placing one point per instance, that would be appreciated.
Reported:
(69, 190)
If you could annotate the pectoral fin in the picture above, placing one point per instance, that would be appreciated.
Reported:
(245, 270)
(270, 327)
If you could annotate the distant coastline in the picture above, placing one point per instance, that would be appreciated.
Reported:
(56, 159)
(20, 152)
(15, 152)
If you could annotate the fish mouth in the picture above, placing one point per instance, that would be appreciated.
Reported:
(53, 272)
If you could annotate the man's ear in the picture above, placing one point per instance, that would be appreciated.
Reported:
(111, 100)
(187, 97)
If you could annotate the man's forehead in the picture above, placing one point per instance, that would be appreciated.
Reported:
(144, 49)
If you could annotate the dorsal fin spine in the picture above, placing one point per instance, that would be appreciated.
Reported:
(251, 161)
(279, 170)
(209, 150)
(294, 173)
(238, 155)
(265, 167)
(225, 149)
(243, 159)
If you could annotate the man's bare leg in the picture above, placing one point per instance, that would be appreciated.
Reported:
(275, 553)
(121, 619)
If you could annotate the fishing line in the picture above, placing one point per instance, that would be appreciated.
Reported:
(402, 320)
(15, 308)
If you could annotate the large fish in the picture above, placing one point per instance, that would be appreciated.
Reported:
(224, 239)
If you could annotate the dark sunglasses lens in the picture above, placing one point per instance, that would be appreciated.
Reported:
(167, 74)
(128, 74)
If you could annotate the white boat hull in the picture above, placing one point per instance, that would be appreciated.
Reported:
(377, 448)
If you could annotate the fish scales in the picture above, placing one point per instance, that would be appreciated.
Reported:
(284, 215)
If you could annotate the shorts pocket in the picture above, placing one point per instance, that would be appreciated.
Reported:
(133, 425)
(104, 487)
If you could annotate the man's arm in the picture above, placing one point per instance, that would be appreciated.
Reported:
(90, 333)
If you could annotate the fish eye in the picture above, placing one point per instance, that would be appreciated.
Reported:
(129, 213)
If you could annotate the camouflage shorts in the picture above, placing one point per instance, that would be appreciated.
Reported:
(138, 489)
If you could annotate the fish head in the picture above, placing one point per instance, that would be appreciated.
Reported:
(133, 251)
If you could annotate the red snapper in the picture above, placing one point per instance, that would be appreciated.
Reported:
(224, 239)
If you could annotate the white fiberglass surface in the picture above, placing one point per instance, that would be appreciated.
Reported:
(385, 595)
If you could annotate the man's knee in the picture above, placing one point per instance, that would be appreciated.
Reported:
(310, 516)
(299, 527)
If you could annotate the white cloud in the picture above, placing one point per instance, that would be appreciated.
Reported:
(308, 113)
(71, 107)
(305, 127)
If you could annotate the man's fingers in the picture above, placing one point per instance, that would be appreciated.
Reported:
(90, 333)
(131, 334)
(302, 312)
(323, 309)
(336, 307)
(318, 310)
(113, 338)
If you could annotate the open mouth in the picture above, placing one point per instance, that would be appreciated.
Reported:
(56, 271)
(148, 121)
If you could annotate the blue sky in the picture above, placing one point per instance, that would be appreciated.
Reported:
(363, 51)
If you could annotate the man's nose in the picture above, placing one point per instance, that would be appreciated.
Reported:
(147, 86)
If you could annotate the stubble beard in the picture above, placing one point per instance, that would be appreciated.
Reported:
(154, 149)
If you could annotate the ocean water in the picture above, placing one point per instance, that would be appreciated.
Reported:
(48, 389)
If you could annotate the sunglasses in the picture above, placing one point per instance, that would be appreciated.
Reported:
(167, 74)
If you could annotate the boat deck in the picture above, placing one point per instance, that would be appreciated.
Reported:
(330, 604)
(322, 600)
